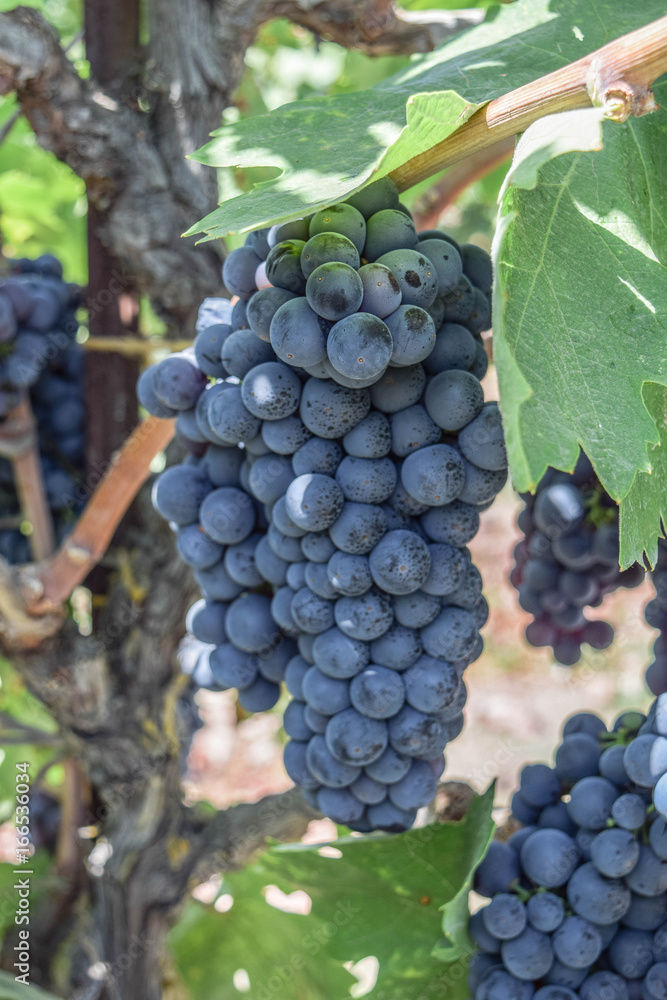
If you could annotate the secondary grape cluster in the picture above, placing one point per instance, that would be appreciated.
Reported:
(340, 454)
(568, 561)
(40, 357)
(655, 613)
(578, 896)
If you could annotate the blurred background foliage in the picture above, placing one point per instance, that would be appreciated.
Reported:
(43, 203)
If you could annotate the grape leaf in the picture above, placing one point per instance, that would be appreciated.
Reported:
(381, 897)
(644, 509)
(279, 951)
(457, 942)
(580, 310)
(42, 878)
(11, 990)
(326, 148)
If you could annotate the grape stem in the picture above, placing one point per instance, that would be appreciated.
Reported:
(135, 347)
(430, 206)
(617, 77)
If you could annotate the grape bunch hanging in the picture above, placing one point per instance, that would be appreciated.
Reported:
(41, 359)
(340, 454)
(578, 896)
(568, 561)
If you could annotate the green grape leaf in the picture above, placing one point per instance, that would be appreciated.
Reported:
(644, 509)
(551, 136)
(580, 307)
(324, 149)
(41, 879)
(11, 990)
(276, 950)
(42, 202)
(378, 896)
(457, 943)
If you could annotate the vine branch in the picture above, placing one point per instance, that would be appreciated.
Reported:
(53, 580)
(430, 206)
(617, 76)
(231, 837)
(377, 27)
(19, 443)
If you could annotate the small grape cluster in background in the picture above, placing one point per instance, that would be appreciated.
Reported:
(578, 896)
(340, 454)
(568, 561)
(41, 359)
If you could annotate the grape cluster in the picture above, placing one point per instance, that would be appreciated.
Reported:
(40, 357)
(578, 896)
(45, 820)
(568, 560)
(338, 466)
(355, 290)
(655, 613)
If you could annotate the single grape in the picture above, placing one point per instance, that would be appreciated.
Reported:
(598, 899)
(371, 438)
(349, 574)
(238, 271)
(360, 346)
(415, 274)
(366, 480)
(529, 955)
(398, 388)
(400, 562)
(327, 769)
(377, 692)
(353, 738)
(433, 475)
(398, 648)
(413, 335)
(326, 248)
(317, 455)
(505, 916)
(382, 193)
(343, 219)
(311, 613)
(415, 734)
(340, 805)
(549, 858)
(283, 266)
(297, 333)
(314, 501)
(416, 789)
(387, 230)
(545, 911)
(331, 410)
(325, 694)
(358, 528)
(366, 617)
(415, 611)
(271, 391)
(382, 293)
(453, 399)
(334, 290)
